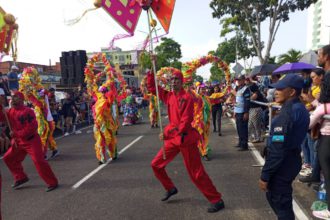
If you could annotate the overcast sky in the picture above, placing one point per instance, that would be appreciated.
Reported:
(43, 34)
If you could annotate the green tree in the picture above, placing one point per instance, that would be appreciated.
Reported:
(272, 60)
(168, 53)
(227, 49)
(145, 60)
(176, 64)
(216, 74)
(247, 16)
(197, 78)
(290, 57)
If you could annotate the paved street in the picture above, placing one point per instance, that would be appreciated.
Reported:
(127, 189)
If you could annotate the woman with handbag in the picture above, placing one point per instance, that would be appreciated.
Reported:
(311, 100)
(323, 149)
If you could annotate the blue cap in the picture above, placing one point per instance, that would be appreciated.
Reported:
(289, 80)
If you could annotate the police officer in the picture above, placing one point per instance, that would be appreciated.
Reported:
(241, 110)
(283, 161)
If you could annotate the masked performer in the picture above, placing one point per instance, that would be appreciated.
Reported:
(180, 136)
(25, 140)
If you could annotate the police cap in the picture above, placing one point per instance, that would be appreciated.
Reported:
(290, 80)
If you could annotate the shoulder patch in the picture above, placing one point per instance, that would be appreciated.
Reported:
(278, 139)
(278, 129)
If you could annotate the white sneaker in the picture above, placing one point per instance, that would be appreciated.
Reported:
(78, 132)
(324, 214)
(305, 172)
(66, 134)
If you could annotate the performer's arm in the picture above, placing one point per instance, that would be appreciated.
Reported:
(163, 94)
(34, 101)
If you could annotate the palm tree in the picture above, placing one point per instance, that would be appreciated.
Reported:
(291, 56)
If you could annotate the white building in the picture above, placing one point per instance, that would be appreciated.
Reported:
(318, 31)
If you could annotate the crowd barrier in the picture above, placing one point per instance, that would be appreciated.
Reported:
(271, 107)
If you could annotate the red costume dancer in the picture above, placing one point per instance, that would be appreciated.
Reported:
(25, 140)
(51, 124)
(180, 136)
(3, 140)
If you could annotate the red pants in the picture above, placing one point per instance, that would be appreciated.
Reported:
(15, 156)
(193, 165)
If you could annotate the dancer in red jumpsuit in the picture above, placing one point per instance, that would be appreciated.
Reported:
(25, 140)
(179, 136)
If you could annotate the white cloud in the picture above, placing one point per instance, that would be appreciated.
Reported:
(198, 49)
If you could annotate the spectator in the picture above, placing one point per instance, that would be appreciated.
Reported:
(216, 100)
(4, 83)
(317, 76)
(271, 91)
(68, 112)
(324, 58)
(255, 113)
(83, 107)
(323, 148)
(3, 95)
(312, 94)
(13, 78)
(241, 110)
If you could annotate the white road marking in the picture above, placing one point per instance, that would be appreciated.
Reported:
(60, 137)
(80, 182)
(299, 213)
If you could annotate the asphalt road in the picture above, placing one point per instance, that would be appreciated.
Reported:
(127, 189)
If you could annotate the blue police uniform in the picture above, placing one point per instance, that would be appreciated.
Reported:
(242, 106)
(283, 161)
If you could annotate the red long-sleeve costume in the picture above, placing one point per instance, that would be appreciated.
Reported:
(24, 126)
(180, 136)
(2, 120)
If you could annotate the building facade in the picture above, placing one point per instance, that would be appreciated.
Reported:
(50, 75)
(125, 62)
(318, 31)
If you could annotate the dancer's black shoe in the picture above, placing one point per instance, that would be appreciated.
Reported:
(170, 193)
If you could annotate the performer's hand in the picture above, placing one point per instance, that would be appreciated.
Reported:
(161, 136)
(263, 185)
(11, 134)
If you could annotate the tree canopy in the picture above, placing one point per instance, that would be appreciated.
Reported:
(291, 56)
(247, 16)
(168, 53)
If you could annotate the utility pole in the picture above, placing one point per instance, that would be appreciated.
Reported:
(236, 49)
